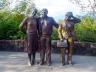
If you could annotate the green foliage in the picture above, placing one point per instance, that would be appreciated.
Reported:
(24, 7)
(3, 4)
(9, 25)
(55, 34)
(86, 30)
(21, 7)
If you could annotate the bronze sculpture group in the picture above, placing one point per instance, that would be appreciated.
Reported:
(41, 29)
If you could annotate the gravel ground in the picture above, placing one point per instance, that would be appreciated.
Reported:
(18, 62)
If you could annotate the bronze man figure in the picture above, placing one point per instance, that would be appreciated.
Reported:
(45, 30)
(30, 25)
(66, 31)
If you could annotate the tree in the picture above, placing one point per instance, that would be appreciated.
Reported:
(10, 18)
(87, 5)
(24, 7)
(21, 6)
(4, 4)
(9, 25)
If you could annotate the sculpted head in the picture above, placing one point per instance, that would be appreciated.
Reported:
(44, 12)
(34, 12)
(68, 15)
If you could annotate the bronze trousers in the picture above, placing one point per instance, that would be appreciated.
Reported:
(45, 49)
(69, 50)
(70, 42)
(32, 45)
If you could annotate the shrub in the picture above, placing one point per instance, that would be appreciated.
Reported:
(55, 34)
(86, 30)
(9, 25)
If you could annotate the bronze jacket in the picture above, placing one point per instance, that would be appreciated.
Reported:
(46, 26)
(30, 25)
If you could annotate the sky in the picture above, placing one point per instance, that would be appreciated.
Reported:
(58, 8)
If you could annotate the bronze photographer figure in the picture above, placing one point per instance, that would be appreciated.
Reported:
(66, 31)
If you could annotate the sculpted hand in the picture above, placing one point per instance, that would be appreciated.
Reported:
(61, 39)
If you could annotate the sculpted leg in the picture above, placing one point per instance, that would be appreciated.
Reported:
(62, 51)
(48, 51)
(42, 51)
(70, 50)
(29, 57)
(29, 49)
(34, 49)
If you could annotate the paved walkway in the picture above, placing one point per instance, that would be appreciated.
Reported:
(17, 62)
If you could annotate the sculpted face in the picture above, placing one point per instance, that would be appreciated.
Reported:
(44, 12)
(34, 12)
(68, 15)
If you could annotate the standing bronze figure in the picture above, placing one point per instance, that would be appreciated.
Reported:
(66, 31)
(45, 29)
(30, 25)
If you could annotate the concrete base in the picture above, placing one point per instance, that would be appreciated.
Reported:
(18, 62)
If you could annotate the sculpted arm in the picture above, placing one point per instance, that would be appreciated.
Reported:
(60, 32)
(54, 23)
(23, 23)
(75, 20)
